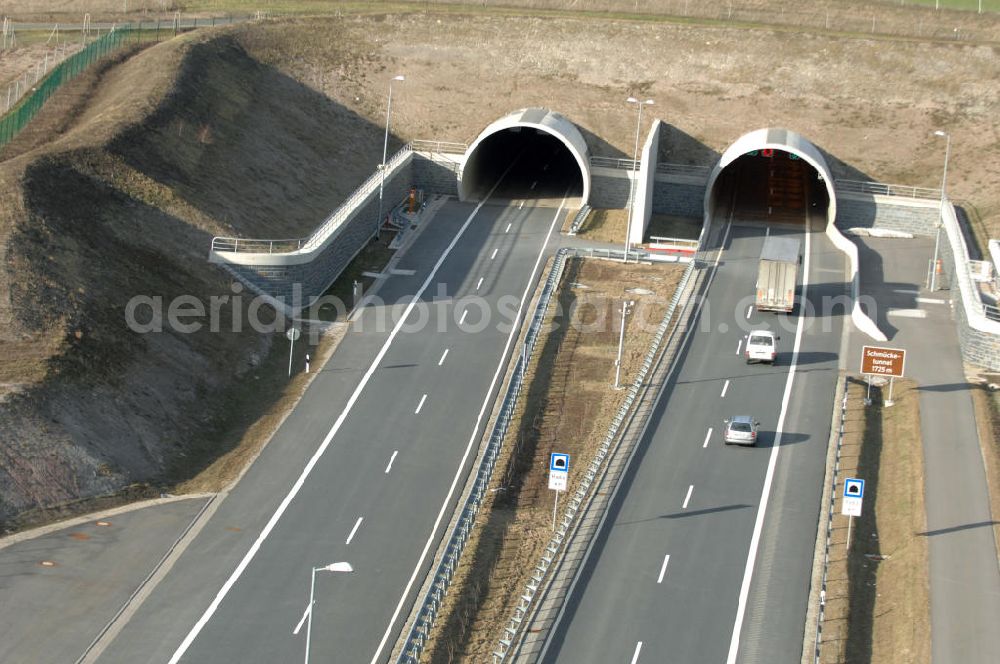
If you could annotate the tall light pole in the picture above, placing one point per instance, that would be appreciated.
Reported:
(626, 307)
(332, 567)
(385, 148)
(635, 164)
(944, 185)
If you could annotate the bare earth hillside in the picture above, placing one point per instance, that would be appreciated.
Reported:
(261, 129)
(154, 155)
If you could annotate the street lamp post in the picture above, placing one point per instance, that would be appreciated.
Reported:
(944, 184)
(635, 157)
(385, 148)
(332, 567)
(626, 307)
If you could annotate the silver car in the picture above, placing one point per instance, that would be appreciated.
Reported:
(741, 430)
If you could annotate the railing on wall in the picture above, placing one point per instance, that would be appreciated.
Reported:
(881, 189)
(343, 211)
(612, 162)
(689, 170)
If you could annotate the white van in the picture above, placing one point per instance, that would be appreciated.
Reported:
(761, 347)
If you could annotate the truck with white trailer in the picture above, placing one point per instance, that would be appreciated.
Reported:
(776, 274)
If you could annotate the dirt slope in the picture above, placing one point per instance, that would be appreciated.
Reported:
(152, 156)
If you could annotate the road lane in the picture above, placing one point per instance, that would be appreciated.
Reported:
(690, 615)
(255, 621)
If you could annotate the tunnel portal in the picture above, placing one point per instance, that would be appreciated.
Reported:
(533, 153)
(772, 176)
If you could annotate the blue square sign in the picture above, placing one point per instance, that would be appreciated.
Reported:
(559, 462)
(854, 488)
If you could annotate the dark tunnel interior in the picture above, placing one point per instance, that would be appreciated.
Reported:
(528, 164)
(772, 186)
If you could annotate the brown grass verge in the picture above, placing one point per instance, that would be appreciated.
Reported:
(567, 407)
(603, 225)
(878, 607)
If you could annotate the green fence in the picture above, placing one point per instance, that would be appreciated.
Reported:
(26, 108)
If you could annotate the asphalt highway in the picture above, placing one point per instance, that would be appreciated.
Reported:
(688, 567)
(365, 470)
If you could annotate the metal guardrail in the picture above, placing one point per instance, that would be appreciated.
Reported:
(581, 216)
(443, 147)
(612, 162)
(829, 525)
(677, 241)
(880, 189)
(448, 565)
(343, 211)
(668, 168)
(552, 550)
(684, 169)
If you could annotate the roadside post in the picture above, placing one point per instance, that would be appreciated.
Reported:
(877, 361)
(854, 492)
(558, 478)
(293, 334)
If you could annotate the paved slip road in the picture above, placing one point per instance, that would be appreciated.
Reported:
(663, 580)
(374, 496)
(61, 585)
(964, 575)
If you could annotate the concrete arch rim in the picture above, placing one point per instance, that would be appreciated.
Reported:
(508, 122)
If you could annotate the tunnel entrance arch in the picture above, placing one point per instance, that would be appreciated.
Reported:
(773, 173)
(533, 153)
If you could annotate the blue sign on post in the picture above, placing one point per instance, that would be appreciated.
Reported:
(854, 491)
(559, 462)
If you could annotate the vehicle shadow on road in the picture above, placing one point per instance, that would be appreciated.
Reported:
(686, 513)
(955, 529)
(766, 438)
(946, 387)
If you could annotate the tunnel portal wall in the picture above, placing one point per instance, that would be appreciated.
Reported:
(539, 119)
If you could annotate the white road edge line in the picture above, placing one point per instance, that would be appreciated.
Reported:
(305, 614)
(472, 438)
(508, 227)
(479, 283)
(645, 428)
(635, 655)
(494, 254)
(391, 459)
(420, 405)
(462, 319)
(725, 388)
(663, 569)
(443, 355)
(708, 436)
(354, 530)
(300, 482)
(739, 347)
(749, 311)
(687, 498)
(741, 607)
